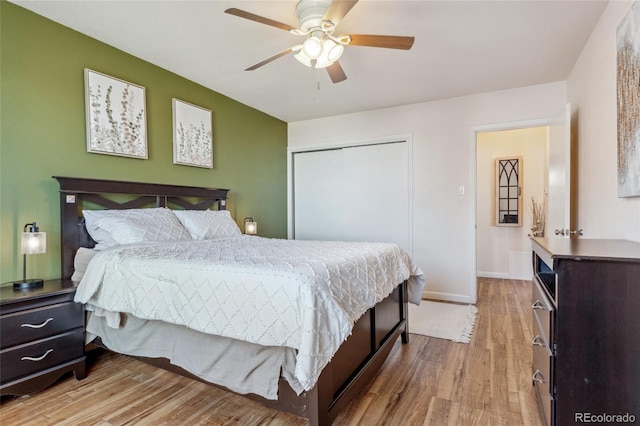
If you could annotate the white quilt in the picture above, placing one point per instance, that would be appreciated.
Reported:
(300, 294)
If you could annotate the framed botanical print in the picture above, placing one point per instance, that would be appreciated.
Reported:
(116, 116)
(192, 135)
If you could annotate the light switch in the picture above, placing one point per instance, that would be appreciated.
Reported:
(461, 190)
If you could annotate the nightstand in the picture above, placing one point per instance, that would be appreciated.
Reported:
(41, 336)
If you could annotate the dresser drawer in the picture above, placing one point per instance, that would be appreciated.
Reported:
(33, 324)
(542, 311)
(545, 400)
(29, 358)
(542, 360)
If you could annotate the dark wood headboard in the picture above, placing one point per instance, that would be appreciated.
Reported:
(75, 192)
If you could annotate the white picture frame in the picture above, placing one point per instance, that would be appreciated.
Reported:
(116, 116)
(192, 135)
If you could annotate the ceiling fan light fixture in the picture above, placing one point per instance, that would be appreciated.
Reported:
(303, 59)
(334, 50)
(331, 52)
(313, 45)
(321, 49)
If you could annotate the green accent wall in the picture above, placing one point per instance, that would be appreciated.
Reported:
(42, 134)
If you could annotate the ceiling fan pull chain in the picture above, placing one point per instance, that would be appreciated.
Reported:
(318, 84)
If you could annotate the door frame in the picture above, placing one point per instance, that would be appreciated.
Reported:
(473, 201)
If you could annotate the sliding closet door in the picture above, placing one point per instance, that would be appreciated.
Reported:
(358, 193)
(317, 187)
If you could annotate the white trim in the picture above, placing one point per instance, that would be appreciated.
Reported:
(499, 275)
(402, 138)
(473, 201)
(449, 297)
(408, 137)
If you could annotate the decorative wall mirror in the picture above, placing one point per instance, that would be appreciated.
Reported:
(508, 192)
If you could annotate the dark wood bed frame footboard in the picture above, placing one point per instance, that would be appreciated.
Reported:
(353, 367)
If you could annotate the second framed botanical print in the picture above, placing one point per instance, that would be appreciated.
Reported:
(192, 135)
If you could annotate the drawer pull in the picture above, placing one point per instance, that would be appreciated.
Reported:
(538, 305)
(538, 341)
(28, 358)
(536, 379)
(37, 325)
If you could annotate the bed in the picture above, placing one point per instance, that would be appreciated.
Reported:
(308, 382)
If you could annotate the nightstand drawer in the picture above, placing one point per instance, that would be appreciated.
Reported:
(34, 324)
(30, 358)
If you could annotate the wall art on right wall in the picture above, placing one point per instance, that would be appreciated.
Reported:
(628, 84)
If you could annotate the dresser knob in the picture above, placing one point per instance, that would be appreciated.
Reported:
(536, 379)
(538, 341)
(537, 305)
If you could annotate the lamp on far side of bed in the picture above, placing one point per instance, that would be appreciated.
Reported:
(33, 242)
(250, 226)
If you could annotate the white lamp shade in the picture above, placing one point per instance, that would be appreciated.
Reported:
(251, 228)
(331, 52)
(333, 49)
(312, 47)
(34, 242)
(303, 59)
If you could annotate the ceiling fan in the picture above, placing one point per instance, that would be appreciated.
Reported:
(321, 48)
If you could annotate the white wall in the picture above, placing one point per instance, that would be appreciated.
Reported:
(505, 251)
(444, 158)
(591, 90)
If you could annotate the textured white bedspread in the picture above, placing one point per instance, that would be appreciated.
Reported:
(300, 294)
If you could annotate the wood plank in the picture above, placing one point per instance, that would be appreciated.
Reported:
(427, 382)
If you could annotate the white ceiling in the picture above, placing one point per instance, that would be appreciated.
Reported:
(461, 48)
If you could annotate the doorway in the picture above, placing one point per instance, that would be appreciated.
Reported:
(504, 249)
(558, 190)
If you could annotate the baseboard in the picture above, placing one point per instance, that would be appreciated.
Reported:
(503, 276)
(448, 297)
(499, 275)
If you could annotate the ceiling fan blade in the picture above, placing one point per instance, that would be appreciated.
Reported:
(257, 18)
(389, 42)
(271, 59)
(338, 9)
(336, 73)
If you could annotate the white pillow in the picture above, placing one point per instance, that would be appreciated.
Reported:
(208, 224)
(81, 262)
(113, 227)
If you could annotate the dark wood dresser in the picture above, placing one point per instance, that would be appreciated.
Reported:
(586, 345)
(41, 337)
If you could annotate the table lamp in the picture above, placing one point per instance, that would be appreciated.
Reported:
(250, 227)
(33, 242)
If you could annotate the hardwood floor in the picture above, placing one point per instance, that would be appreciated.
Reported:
(427, 382)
